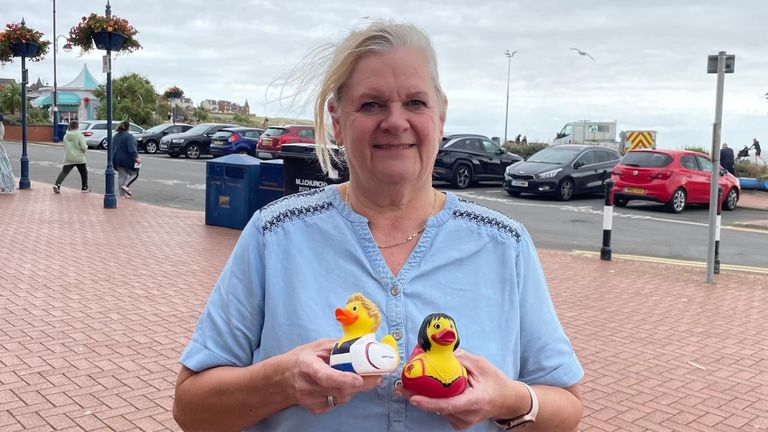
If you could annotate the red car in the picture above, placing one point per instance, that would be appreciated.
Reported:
(275, 136)
(675, 178)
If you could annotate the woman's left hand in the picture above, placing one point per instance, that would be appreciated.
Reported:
(488, 389)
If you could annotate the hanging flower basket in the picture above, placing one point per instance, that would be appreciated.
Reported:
(173, 93)
(106, 40)
(21, 49)
(18, 40)
(104, 33)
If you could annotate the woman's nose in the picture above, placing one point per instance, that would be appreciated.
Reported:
(396, 119)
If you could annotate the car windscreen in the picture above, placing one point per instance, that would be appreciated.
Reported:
(555, 155)
(646, 159)
(198, 130)
(156, 129)
(275, 131)
(224, 134)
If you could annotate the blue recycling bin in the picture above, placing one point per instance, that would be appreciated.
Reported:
(232, 192)
(272, 185)
(61, 129)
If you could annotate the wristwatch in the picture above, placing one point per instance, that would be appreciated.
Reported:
(525, 419)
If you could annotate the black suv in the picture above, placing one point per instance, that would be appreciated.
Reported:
(464, 159)
(149, 140)
(563, 171)
(192, 143)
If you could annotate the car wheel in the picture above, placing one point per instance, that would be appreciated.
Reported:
(193, 151)
(462, 176)
(244, 152)
(731, 200)
(103, 144)
(150, 147)
(620, 201)
(676, 204)
(513, 193)
(565, 190)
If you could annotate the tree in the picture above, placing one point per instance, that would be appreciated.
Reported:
(133, 98)
(10, 98)
(201, 114)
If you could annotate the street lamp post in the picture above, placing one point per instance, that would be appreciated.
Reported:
(67, 48)
(110, 200)
(506, 112)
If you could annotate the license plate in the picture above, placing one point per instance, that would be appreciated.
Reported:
(219, 142)
(267, 141)
(634, 190)
(519, 183)
(163, 146)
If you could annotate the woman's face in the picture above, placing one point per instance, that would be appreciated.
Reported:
(389, 119)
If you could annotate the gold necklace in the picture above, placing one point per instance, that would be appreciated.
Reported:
(410, 237)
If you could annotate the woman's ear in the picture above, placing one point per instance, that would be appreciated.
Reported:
(333, 109)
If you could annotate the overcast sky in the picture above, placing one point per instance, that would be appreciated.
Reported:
(649, 68)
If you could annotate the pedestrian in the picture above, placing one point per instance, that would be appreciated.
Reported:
(525, 140)
(517, 139)
(74, 157)
(727, 158)
(265, 122)
(756, 146)
(258, 359)
(7, 180)
(125, 158)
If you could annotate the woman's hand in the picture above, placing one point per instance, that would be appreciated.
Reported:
(311, 380)
(485, 398)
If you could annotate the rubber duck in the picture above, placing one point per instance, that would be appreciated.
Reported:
(432, 369)
(358, 351)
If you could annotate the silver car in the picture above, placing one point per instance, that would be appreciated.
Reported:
(95, 132)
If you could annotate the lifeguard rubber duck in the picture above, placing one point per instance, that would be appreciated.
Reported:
(432, 369)
(358, 351)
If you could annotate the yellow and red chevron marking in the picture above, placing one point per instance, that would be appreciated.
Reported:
(640, 139)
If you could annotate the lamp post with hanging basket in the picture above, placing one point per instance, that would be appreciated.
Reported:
(108, 33)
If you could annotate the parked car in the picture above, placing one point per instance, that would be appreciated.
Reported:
(675, 178)
(241, 140)
(95, 132)
(149, 140)
(275, 136)
(192, 143)
(464, 159)
(563, 171)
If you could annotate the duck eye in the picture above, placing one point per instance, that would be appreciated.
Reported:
(437, 326)
(354, 308)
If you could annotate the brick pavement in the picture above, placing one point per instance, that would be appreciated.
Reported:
(96, 306)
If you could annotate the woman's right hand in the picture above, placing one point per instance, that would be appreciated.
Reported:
(311, 380)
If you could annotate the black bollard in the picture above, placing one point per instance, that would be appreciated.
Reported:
(605, 251)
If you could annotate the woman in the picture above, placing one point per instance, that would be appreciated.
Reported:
(125, 158)
(7, 180)
(258, 357)
(75, 148)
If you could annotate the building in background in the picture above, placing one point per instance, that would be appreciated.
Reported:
(76, 99)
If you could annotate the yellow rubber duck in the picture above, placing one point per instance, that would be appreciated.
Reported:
(358, 351)
(433, 370)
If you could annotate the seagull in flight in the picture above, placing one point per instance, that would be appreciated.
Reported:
(584, 53)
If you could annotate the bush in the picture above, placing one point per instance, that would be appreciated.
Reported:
(696, 149)
(524, 150)
(751, 170)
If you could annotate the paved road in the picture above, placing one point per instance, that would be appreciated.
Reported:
(642, 229)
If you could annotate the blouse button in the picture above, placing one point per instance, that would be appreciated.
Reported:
(395, 290)
(397, 334)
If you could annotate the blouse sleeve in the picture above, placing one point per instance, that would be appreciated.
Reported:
(546, 354)
(229, 329)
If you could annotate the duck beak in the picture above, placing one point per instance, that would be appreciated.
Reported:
(444, 337)
(346, 317)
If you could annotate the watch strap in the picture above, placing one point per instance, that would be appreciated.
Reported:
(521, 421)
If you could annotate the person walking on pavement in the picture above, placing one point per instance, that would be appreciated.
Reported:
(756, 146)
(74, 157)
(125, 159)
(727, 158)
(7, 180)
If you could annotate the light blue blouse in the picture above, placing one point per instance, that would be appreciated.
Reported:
(301, 256)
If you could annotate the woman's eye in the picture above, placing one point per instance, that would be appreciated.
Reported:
(369, 106)
(415, 103)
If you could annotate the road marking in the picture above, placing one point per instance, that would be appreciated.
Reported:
(590, 210)
(696, 264)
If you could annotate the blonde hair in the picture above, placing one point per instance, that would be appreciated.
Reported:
(378, 38)
(373, 310)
